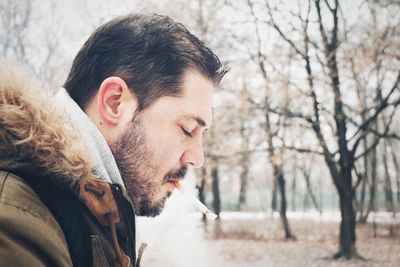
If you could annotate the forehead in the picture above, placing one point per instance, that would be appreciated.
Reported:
(197, 96)
(195, 101)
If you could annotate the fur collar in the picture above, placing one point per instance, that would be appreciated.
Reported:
(35, 137)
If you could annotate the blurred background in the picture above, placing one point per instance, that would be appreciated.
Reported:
(302, 161)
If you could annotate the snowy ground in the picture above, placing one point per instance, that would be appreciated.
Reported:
(177, 238)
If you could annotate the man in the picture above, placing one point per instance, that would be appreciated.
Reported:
(76, 167)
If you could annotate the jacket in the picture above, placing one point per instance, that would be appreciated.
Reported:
(54, 209)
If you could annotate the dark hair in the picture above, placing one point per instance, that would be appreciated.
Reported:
(149, 52)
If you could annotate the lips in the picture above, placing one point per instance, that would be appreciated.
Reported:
(174, 180)
(175, 176)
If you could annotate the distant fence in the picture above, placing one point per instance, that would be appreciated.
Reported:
(259, 200)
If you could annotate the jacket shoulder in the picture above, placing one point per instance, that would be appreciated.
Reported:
(29, 234)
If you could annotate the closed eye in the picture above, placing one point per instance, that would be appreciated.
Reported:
(186, 132)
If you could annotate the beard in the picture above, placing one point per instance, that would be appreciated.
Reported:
(139, 170)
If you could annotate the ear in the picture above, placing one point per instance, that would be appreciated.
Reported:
(115, 101)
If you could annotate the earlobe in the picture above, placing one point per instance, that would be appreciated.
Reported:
(110, 96)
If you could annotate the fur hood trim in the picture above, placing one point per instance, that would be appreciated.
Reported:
(35, 137)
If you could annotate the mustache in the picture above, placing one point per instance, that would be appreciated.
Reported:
(176, 174)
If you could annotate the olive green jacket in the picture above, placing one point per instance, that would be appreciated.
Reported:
(29, 234)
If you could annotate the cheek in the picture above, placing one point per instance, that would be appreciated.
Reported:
(166, 147)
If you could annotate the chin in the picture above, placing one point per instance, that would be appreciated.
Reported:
(151, 210)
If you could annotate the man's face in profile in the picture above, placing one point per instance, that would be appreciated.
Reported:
(161, 141)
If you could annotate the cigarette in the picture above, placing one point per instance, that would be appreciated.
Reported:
(209, 214)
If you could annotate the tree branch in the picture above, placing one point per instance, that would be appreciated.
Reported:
(373, 145)
(384, 104)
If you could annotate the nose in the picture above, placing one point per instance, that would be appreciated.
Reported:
(194, 154)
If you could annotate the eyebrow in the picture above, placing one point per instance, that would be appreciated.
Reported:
(199, 120)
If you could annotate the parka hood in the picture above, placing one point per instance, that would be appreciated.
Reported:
(34, 134)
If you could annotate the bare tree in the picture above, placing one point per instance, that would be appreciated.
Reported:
(396, 164)
(306, 171)
(275, 155)
(324, 51)
(245, 146)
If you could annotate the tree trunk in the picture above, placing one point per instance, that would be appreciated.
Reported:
(361, 206)
(388, 182)
(274, 200)
(309, 190)
(215, 189)
(347, 234)
(397, 168)
(372, 188)
(280, 181)
(370, 162)
(294, 193)
(243, 182)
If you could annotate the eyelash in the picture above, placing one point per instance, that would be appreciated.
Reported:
(186, 132)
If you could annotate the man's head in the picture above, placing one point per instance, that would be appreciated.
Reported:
(147, 83)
